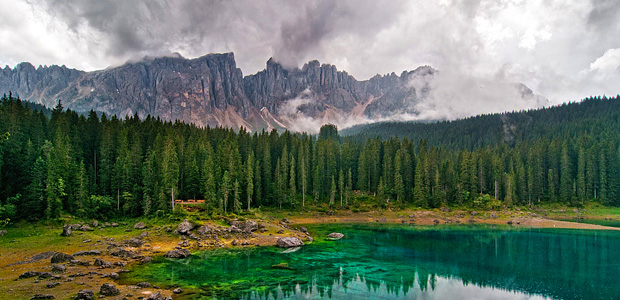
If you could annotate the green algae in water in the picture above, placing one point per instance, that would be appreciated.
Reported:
(394, 262)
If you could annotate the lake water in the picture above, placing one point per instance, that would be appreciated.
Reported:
(406, 262)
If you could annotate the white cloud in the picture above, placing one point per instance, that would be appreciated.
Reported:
(553, 47)
(608, 63)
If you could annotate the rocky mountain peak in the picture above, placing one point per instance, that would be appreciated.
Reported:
(211, 91)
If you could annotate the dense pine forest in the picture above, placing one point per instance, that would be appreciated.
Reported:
(102, 167)
(566, 121)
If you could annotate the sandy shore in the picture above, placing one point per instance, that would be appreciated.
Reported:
(514, 218)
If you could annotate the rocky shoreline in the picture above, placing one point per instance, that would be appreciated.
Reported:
(93, 273)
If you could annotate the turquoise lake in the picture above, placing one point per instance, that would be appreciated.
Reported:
(406, 262)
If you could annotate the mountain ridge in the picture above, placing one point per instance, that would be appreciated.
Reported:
(212, 91)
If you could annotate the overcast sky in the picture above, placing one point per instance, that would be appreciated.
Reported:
(564, 50)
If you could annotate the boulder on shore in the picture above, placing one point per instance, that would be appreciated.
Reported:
(157, 296)
(85, 295)
(288, 242)
(67, 230)
(60, 257)
(29, 274)
(134, 242)
(139, 225)
(184, 227)
(122, 253)
(108, 289)
(204, 229)
(248, 226)
(85, 228)
(335, 236)
(59, 268)
(178, 253)
(42, 296)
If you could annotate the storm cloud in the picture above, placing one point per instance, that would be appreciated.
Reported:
(563, 50)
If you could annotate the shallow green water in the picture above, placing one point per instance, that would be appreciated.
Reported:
(402, 262)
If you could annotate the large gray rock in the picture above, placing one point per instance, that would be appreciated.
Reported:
(85, 295)
(67, 230)
(108, 289)
(122, 253)
(29, 274)
(144, 284)
(85, 228)
(59, 268)
(134, 242)
(184, 227)
(247, 226)
(60, 257)
(157, 296)
(204, 230)
(178, 253)
(288, 242)
(139, 225)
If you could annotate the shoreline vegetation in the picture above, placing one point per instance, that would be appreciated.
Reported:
(102, 251)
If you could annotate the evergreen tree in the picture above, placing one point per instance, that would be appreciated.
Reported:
(292, 184)
(225, 188)
(249, 183)
(237, 197)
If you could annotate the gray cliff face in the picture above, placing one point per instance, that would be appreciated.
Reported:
(40, 85)
(328, 88)
(172, 88)
(212, 91)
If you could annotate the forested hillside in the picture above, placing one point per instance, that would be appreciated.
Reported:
(593, 115)
(103, 167)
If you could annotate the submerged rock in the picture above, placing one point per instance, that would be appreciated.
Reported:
(283, 266)
(288, 242)
(179, 253)
(177, 291)
(335, 236)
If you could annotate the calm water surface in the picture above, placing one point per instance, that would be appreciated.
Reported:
(403, 262)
